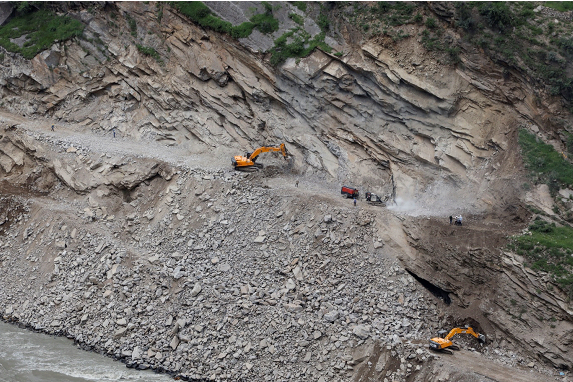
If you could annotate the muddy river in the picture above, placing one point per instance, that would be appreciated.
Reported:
(26, 356)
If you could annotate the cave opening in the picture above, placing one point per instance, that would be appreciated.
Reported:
(435, 290)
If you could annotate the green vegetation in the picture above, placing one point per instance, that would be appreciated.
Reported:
(512, 32)
(548, 249)
(132, 25)
(148, 51)
(561, 6)
(299, 4)
(323, 22)
(198, 12)
(546, 164)
(159, 7)
(296, 18)
(296, 43)
(40, 27)
(508, 32)
(431, 23)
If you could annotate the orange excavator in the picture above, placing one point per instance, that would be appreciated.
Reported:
(446, 345)
(248, 162)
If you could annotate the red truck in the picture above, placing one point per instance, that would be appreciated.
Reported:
(349, 192)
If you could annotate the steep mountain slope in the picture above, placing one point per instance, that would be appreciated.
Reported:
(150, 248)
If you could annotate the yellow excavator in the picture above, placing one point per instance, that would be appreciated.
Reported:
(248, 162)
(446, 345)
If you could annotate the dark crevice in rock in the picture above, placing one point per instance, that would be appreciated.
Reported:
(435, 290)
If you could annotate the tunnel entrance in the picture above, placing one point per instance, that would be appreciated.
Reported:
(435, 290)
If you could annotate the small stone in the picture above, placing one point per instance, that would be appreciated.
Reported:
(331, 316)
(136, 353)
(297, 273)
(121, 322)
(531, 364)
(174, 342)
(361, 331)
(196, 289)
(120, 332)
(224, 267)
(293, 307)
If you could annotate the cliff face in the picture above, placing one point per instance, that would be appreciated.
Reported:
(385, 116)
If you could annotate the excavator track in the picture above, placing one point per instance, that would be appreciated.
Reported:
(253, 168)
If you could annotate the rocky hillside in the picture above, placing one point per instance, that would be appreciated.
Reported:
(126, 228)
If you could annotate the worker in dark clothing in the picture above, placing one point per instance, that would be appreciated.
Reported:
(451, 218)
(354, 202)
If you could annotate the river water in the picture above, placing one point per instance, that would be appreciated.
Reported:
(26, 356)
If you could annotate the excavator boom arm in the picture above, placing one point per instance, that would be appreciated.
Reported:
(455, 331)
(263, 149)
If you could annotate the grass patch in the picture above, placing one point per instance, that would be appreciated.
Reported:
(548, 249)
(148, 51)
(199, 13)
(561, 6)
(546, 164)
(41, 29)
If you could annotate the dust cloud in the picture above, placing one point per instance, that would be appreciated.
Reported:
(440, 198)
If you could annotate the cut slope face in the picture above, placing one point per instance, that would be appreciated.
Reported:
(235, 267)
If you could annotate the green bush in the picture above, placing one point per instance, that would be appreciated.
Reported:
(465, 17)
(323, 22)
(382, 7)
(431, 23)
(498, 15)
(301, 46)
(132, 25)
(296, 18)
(265, 23)
(148, 51)
(42, 28)
(540, 225)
